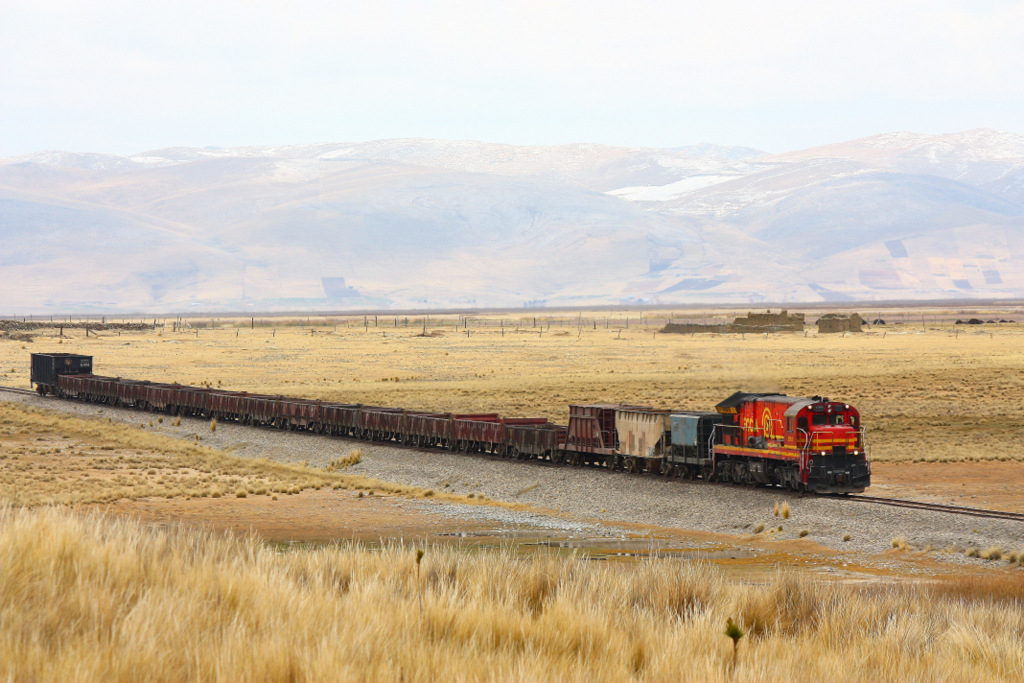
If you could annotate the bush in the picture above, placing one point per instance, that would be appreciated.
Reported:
(993, 553)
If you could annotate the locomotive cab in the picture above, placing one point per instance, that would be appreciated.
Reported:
(829, 437)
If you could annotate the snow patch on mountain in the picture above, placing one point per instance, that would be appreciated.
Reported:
(664, 193)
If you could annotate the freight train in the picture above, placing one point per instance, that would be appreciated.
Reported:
(756, 439)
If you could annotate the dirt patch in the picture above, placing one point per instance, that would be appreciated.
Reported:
(310, 516)
(993, 485)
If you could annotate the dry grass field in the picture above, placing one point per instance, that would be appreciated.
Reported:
(48, 458)
(928, 391)
(95, 599)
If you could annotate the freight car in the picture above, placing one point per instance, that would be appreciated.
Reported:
(754, 439)
(46, 367)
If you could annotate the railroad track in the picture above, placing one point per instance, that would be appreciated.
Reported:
(15, 390)
(892, 502)
(938, 507)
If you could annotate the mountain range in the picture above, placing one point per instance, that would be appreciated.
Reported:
(420, 223)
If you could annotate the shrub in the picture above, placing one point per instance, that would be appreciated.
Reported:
(993, 553)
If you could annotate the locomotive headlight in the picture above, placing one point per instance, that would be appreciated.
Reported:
(823, 452)
(856, 452)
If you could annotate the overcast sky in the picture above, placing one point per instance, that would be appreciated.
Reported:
(125, 77)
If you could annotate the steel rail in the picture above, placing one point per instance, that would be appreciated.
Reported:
(15, 390)
(939, 507)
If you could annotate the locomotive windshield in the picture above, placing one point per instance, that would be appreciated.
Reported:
(834, 416)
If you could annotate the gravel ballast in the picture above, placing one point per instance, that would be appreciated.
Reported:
(579, 497)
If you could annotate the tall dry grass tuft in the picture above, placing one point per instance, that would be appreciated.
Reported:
(1003, 589)
(992, 553)
(90, 599)
(354, 457)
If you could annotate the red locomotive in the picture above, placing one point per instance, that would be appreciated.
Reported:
(797, 443)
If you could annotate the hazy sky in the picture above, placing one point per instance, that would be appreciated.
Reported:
(125, 77)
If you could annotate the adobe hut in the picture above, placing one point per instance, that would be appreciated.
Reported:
(836, 322)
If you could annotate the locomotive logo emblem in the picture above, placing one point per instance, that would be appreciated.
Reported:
(767, 427)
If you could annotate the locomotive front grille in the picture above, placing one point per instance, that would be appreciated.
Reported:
(839, 450)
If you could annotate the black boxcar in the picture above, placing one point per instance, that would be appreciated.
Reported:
(47, 367)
